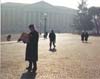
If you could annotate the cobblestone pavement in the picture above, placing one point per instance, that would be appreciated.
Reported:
(71, 60)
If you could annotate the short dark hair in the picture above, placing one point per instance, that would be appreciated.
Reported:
(31, 25)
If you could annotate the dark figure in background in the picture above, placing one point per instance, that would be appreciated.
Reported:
(9, 38)
(32, 49)
(82, 36)
(45, 35)
(52, 38)
(86, 36)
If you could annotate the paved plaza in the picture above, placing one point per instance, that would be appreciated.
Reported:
(71, 60)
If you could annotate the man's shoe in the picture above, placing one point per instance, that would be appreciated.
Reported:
(50, 49)
(34, 70)
(29, 69)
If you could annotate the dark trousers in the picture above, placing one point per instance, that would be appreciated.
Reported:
(34, 64)
(86, 39)
(52, 42)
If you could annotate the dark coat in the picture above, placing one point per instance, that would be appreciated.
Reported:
(86, 36)
(82, 36)
(52, 37)
(32, 47)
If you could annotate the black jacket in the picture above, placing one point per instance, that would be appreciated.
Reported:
(52, 36)
(32, 47)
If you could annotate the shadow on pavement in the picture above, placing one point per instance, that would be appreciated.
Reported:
(28, 75)
(87, 42)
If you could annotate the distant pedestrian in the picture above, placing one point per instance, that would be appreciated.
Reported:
(86, 36)
(9, 38)
(45, 35)
(24, 37)
(52, 38)
(32, 49)
(82, 36)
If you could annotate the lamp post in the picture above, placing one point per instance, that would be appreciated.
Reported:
(45, 22)
(40, 26)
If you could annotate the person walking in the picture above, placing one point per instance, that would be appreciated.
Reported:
(52, 38)
(82, 36)
(86, 36)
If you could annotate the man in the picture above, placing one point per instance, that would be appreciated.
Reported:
(45, 35)
(32, 49)
(86, 36)
(52, 38)
(9, 38)
(82, 36)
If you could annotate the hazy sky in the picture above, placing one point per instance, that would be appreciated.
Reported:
(66, 3)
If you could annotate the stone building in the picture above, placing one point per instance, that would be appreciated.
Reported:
(15, 17)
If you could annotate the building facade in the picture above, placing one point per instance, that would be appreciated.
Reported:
(16, 17)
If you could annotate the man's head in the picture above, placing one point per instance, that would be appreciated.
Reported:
(31, 27)
(52, 31)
